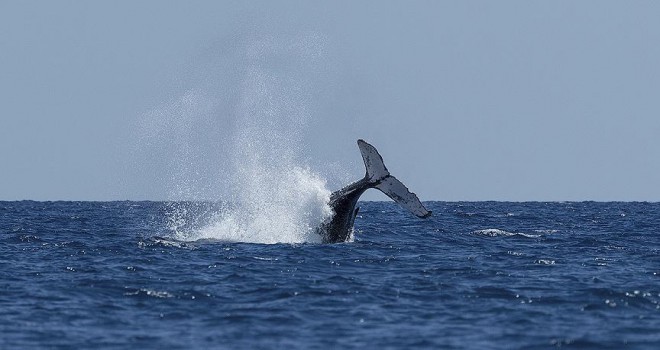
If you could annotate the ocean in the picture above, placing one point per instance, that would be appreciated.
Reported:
(476, 275)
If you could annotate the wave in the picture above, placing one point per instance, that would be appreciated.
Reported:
(494, 232)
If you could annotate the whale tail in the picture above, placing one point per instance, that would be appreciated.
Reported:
(379, 177)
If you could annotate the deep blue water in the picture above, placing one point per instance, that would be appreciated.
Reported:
(475, 275)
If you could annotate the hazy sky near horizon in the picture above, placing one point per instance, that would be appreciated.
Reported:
(466, 100)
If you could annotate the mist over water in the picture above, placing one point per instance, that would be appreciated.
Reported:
(238, 137)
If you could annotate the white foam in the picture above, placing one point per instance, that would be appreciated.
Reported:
(493, 232)
(546, 231)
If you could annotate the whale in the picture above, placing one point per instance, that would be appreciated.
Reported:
(339, 227)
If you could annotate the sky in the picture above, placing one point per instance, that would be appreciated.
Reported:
(465, 100)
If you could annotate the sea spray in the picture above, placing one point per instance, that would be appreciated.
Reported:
(285, 206)
(271, 194)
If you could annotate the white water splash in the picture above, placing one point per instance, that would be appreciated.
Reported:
(276, 207)
(272, 195)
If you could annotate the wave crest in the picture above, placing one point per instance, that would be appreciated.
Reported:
(494, 232)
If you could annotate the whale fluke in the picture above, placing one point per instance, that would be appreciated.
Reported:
(343, 202)
(379, 177)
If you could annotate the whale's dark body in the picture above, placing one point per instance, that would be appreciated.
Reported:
(339, 227)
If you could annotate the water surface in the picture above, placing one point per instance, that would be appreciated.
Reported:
(475, 275)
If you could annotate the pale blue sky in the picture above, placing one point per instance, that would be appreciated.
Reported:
(466, 100)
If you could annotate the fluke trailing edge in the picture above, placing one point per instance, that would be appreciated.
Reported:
(340, 226)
